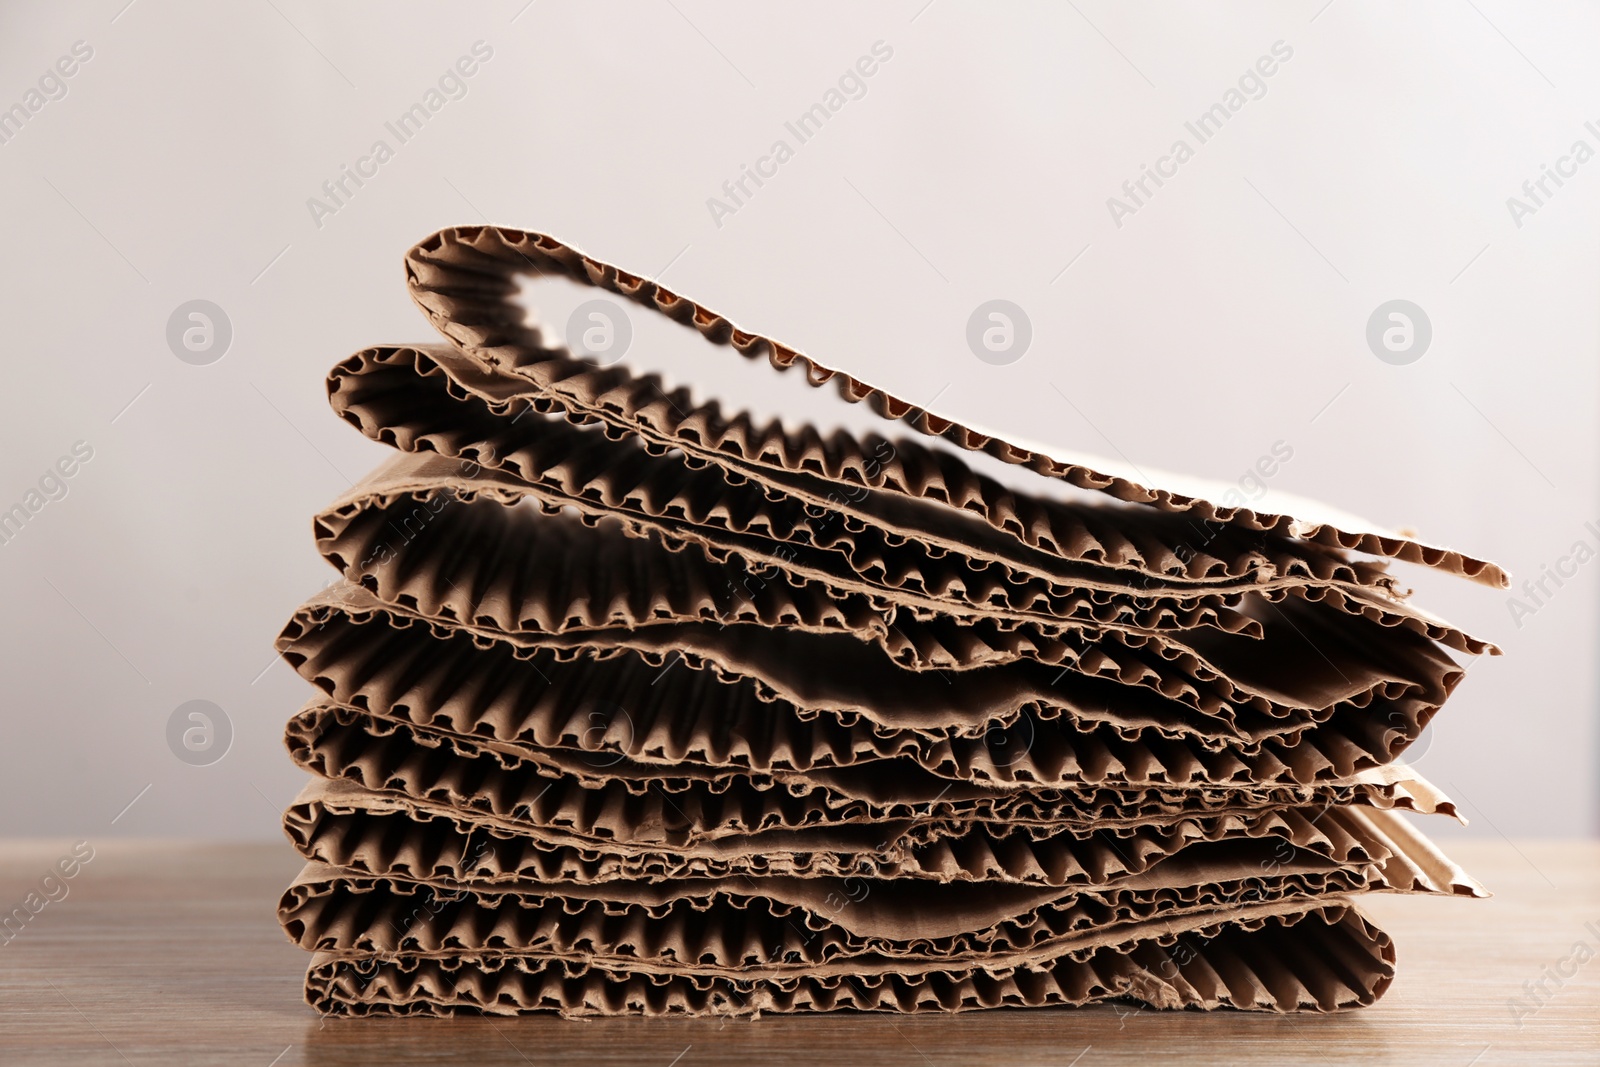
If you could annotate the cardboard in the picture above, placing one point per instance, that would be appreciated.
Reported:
(1276, 959)
(631, 705)
(773, 700)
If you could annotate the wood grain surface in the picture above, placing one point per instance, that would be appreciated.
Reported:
(168, 953)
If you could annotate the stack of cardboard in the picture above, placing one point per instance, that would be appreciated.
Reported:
(628, 705)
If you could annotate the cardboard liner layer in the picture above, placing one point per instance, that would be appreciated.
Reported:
(628, 712)
(1325, 958)
(512, 572)
(345, 635)
(466, 280)
(387, 834)
(434, 399)
(773, 922)
(343, 744)
(729, 935)
(407, 493)
(402, 397)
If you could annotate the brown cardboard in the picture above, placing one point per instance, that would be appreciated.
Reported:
(1277, 959)
(405, 396)
(787, 659)
(464, 279)
(630, 705)
(802, 923)
(391, 834)
(416, 511)
(320, 909)
(343, 743)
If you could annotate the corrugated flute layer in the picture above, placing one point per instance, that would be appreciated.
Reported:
(629, 705)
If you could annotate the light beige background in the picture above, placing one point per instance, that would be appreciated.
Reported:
(1227, 314)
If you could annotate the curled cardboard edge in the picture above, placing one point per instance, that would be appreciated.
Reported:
(461, 279)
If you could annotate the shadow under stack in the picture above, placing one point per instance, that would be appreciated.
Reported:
(629, 706)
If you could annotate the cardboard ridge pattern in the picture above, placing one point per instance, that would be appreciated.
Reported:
(629, 704)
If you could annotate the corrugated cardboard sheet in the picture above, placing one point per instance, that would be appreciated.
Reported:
(630, 705)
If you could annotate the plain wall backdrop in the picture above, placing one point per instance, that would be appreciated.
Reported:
(1194, 328)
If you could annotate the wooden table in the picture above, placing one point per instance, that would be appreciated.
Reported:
(168, 953)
